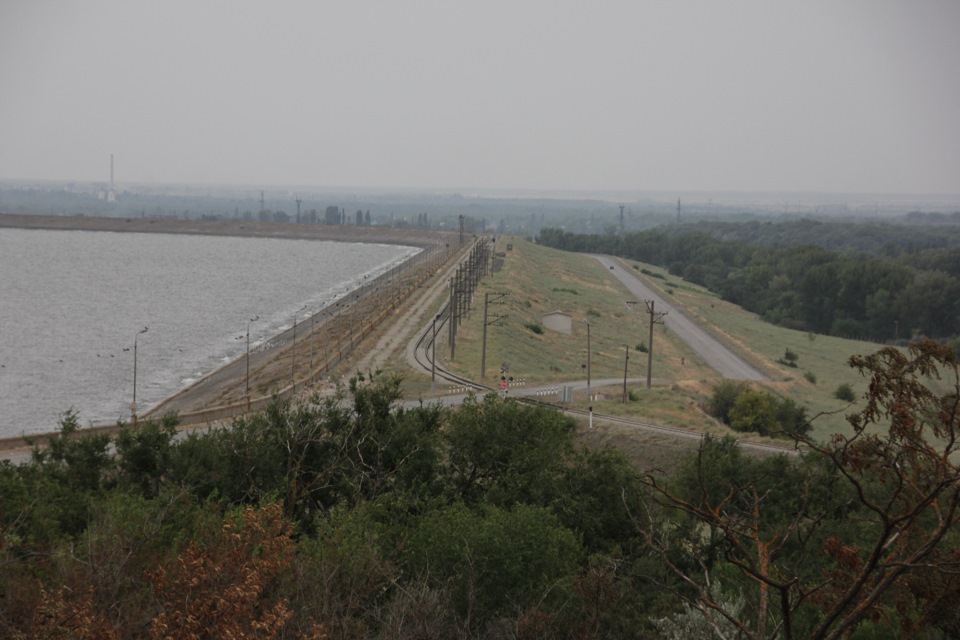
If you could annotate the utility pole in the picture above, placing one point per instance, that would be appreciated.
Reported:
(298, 209)
(248, 359)
(452, 316)
(655, 318)
(626, 359)
(262, 207)
(678, 209)
(433, 356)
(462, 286)
(293, 352)
(621, 219)
(588, 359)
(497, 320)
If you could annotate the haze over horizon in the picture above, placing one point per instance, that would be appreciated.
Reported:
(745, 95)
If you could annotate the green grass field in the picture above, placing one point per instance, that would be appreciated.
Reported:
(539, 280)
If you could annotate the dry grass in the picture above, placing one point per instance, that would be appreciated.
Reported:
(539, 280)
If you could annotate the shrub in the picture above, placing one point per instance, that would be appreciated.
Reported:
(724, 396)
(810, 376)
(789, 358)
(642, 347)
(653, 274)
(756, 411)
(536, 327)
(844, 392)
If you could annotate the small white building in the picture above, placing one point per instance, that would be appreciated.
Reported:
(558, 321)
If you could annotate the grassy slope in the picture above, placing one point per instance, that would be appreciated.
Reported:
(539, 280)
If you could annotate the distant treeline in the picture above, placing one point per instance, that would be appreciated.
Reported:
(871, 281)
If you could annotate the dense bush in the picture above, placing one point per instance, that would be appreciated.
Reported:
(844, 392)
(742, 408)
(351, 517)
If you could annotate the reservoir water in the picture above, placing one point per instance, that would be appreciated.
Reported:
(73, 303)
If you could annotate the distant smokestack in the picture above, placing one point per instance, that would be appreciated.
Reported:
(111, 172)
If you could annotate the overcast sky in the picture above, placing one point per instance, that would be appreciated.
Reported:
(744, 95)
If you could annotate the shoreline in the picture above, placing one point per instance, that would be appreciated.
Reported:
(214, 395)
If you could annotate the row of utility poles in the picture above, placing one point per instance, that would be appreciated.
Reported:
(656, 317)
(464, 283)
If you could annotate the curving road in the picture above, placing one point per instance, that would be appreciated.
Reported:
(714, 353)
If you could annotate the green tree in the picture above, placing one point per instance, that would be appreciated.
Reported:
(494, 560)
(596, 496)
(725, 394)
(144, 452)
(68, 475)
(754, 411)
(504, 452)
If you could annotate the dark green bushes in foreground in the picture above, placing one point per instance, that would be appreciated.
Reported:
(353, 518)
(745, 409)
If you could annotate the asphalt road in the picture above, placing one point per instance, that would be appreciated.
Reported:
(713, 352)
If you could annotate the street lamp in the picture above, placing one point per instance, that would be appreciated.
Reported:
(312, 320)
(254, 319)
(133, 405)
(293, 355)
(339, 332)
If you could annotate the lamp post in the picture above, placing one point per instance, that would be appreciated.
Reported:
(312, 321)
(339, 332)
(254, 319)
(133, 405)
(293, 353)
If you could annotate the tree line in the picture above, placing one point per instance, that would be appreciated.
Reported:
(855, 294)
(352, 517)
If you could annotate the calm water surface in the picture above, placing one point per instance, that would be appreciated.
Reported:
(72, 303)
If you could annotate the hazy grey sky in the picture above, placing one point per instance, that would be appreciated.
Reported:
(758, 95)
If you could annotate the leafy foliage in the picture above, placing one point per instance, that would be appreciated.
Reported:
(354, 517)
(908, 285)
(493, 558)
(224, 586)
(844, 392)
(535, 327)
(745, 409)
